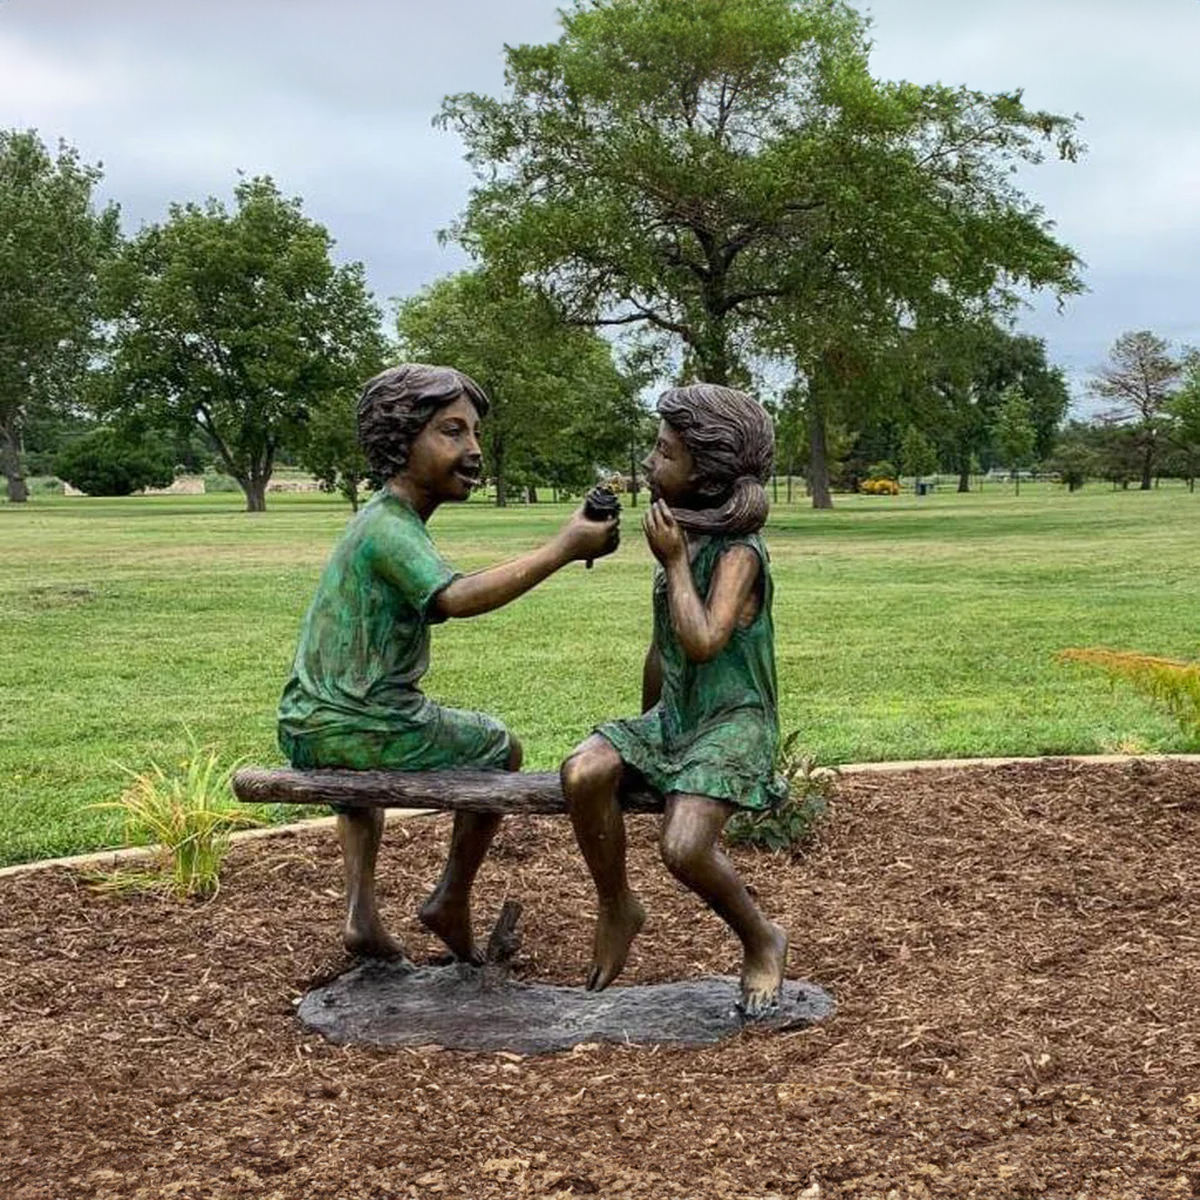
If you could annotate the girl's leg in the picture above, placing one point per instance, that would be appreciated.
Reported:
(690, 829)
(359, 832)
(447, 912)
(591, 779)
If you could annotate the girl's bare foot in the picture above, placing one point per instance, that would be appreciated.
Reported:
(762, 975)
(367, 938)
(616, 927)
(452, 923)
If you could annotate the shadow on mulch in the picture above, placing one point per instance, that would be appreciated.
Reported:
(1015, 952)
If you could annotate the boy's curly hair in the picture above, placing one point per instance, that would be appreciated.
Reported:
(732, 441)
(397, 404)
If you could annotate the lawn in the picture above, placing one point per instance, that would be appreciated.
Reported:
(905, 628)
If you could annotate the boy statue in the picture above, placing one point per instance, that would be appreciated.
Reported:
(354, 700)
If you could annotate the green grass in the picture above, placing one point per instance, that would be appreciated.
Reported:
(904, 628)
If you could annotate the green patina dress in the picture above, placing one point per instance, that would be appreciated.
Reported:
(715, 729)
(353, 698)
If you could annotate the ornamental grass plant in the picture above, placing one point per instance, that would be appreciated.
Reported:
(187, 815)
(1171, 683)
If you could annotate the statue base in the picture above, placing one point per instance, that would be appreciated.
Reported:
(463, 1007)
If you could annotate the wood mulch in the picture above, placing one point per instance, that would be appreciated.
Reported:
(1015, 952)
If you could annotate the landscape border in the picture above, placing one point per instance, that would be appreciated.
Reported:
(109, 859)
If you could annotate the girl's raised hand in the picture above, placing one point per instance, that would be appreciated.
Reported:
(667, 541)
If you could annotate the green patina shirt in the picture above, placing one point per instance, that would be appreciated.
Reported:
(353, 698)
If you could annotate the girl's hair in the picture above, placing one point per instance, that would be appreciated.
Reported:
(397, 404)
(732, 443)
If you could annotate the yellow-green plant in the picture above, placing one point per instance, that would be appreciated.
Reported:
(188, 814)
(1167, 681)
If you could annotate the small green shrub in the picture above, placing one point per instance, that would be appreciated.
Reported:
(1173, 684)
(792, 822)
(188, 816)
(214, 481)
(105, 462)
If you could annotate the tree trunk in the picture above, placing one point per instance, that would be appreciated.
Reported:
(1017, 481)
(791, 471)
(818, 466)
(531, 493)
(497, 457)
(11, 449)
(1147, 468)
(633, 474)
(256, 494)
(964, 478)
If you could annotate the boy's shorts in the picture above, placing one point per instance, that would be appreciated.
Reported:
(432, 739)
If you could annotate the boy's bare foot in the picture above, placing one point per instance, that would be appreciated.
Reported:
(762, 976)
(452, 923)
(616, 927)
(369, 939)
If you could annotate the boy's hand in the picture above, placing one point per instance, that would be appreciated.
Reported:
(666, 539)
(584, 538)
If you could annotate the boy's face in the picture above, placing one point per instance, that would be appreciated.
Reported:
(670, 469)
(445, 460)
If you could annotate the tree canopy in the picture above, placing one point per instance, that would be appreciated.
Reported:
(1139, 378)
(53, 240)
(729, 173)
(240, 323)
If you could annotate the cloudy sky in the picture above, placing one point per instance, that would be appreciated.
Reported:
(335, 101)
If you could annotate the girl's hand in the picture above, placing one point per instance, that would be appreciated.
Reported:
(667, 541)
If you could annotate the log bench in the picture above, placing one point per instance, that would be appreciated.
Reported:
(475, 791)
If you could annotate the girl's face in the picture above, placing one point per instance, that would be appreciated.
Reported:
(670, 469)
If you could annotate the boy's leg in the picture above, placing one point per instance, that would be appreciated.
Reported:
(359, 832)
(690, 829)
(447, 912)
(591, 779)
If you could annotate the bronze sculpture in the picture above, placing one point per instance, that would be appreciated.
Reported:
(709, 730)
(353, 699)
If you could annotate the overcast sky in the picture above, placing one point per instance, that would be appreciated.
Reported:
(335, 101)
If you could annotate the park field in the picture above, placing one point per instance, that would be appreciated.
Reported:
(905, 628)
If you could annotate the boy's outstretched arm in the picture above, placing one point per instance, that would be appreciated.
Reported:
(493, 587)
(704, 626)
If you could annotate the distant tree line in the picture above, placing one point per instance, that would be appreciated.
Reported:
(672, 190)
(1151, 427)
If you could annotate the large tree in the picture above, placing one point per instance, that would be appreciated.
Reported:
(962, 377)
(53, 238)
(729, 172)
(560, 407)
(239, 323)
(1139, 378)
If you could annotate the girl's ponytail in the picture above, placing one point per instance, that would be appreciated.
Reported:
(745, 511)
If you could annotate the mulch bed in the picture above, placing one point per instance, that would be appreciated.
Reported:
(1015, 953)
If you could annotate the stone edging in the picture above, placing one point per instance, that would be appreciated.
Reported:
(105, 860)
